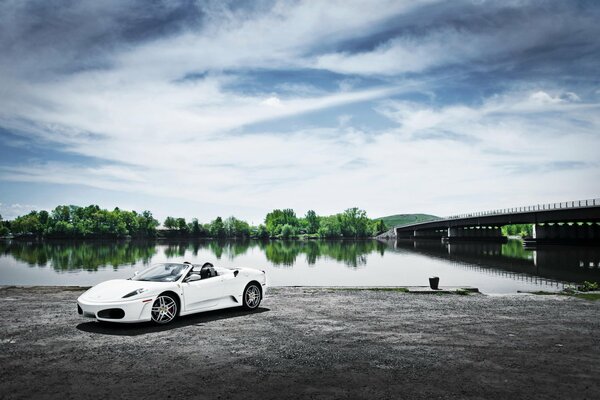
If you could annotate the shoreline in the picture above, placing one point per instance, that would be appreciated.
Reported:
(176, 238)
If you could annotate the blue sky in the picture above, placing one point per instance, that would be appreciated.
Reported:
(199, 109)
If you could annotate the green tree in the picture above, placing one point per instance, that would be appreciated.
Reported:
(146, 224)
(236, 228)
(3, 228)
(181, 225)
(329, 227)
(62, 213)
(196, 229)
(275, 220)
(170, 223)
(312, 222)
(44, 217)
(217, 228)
(262, 232)
(288, 231)
(378, 227)
(27, 224)
(354, 223)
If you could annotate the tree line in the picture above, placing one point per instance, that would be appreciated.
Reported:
(94, 222)
(282, 224)
(82, 222)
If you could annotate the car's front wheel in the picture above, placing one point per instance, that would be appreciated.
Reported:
(252, 296)
(164, 309)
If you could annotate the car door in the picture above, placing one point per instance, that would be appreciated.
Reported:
(202, 294)
(231, 284)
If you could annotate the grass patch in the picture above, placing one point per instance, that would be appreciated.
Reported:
(588, 286)
(406, 219)
(543, 293)
(462, 292)
(587, 296)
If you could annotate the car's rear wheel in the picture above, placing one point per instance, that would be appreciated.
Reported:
(164, 309)
(252, 296)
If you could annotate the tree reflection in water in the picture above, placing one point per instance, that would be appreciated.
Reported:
(81, 255)
(91, 255)
(353, 253)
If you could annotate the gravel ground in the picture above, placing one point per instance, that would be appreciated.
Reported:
(307, 343)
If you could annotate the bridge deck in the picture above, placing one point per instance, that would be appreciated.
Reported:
(575, 211)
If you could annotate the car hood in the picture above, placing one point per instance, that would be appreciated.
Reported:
(115, 289)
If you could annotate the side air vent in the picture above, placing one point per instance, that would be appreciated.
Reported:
(111, 313)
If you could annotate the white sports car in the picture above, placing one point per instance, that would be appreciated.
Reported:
(162, 292)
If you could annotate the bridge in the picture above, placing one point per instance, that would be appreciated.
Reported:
(566, 222)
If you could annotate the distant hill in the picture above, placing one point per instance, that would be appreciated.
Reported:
(406, 219)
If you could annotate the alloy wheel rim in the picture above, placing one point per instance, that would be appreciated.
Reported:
(252, 296)
(164, 309)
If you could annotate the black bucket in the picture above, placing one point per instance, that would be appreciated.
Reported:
(434, 282)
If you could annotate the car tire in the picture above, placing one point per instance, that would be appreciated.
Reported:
(164, 309)
(252, 296)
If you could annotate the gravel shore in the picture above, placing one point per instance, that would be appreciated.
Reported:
(307, 343)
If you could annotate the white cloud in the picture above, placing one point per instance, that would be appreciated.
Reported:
(10, 211)
(544, 98)
(272, 101)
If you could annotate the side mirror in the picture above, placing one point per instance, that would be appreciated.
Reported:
(136, 273)
(193, 278)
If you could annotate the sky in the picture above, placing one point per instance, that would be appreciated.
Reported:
(216, 108)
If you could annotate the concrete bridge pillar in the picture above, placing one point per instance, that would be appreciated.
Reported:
(402, 234)
(570, 232)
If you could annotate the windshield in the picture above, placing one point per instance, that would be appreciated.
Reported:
(162, 273)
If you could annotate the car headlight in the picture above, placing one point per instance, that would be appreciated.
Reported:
(135, 293)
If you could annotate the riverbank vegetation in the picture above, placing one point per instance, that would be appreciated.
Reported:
(281, 224)
(522, 230)
(93, 222)
(83, 222)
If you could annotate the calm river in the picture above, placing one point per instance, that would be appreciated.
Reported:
(493, 268)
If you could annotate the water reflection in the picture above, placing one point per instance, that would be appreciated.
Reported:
(95, 254)
(352, 253)
(89, 256)
(555, 263)
(346, 263)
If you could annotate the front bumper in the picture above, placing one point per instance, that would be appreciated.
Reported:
(132, 310)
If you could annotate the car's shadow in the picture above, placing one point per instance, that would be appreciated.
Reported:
(113, 328)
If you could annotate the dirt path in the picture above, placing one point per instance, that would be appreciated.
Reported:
(308, 343)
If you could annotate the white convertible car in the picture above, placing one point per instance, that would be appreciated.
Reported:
(162, 292)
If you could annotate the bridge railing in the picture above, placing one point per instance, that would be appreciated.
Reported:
(537, 207)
